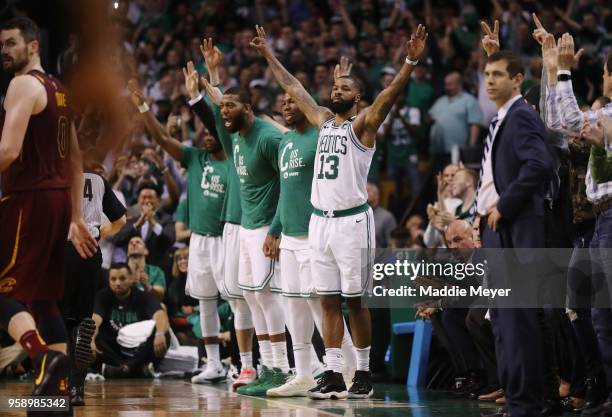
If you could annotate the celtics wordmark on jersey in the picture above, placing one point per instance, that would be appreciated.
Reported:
(341, 168)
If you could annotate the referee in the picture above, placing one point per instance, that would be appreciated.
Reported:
(82, 275)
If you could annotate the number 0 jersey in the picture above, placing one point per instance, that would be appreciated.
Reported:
(44, 161)
(341, 168)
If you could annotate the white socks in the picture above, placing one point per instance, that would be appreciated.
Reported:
(348, 349)
(333, 359)
(212, 352)
(279, 355)
(246, 358)
(363, 359)
(265, 350)
(302, 353)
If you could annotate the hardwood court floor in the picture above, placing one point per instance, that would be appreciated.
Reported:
(161, 398)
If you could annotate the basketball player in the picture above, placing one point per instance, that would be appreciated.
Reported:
(342, 223)
(207, 177)
(296, 163)
(230, 216)
(253, 145)
(81, 276)
(42, 183)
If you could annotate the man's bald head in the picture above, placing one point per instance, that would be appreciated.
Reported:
(452, 84)
(459, 235)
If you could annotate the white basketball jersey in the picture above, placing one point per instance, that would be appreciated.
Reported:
(341, 169)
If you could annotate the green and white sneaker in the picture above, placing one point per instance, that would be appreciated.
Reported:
(277, 379)
(265, 374)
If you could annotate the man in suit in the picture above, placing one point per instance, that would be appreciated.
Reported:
(516, 168)
(154, 227)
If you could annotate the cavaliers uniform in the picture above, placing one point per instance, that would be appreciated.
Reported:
(35, 209)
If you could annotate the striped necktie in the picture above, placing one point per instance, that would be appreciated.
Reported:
(485, 155)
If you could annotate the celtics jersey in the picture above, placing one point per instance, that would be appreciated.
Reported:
(296, 156)
(207, 182)
(341, 168)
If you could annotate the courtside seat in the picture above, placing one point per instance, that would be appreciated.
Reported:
(419, 358)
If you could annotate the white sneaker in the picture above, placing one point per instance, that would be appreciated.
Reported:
(214, 372)
(295, 387)
(247, 376)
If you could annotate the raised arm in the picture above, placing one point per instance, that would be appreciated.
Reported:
(153, 126)
(367, 123)
(199, 106)
(316, 114)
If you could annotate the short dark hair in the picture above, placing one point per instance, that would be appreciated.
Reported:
(243, 95)
(28, 29)
(121, 265)
(513, 61)
(148, 184)
(355, 81)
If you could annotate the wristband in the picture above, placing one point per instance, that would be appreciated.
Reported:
(160, 334)
(143, 108)
(564, 77)
(410, 62)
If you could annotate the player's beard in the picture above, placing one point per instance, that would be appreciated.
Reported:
(17, 63)
(238, 123)
(342, 106)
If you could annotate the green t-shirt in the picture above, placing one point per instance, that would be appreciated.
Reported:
(255, 158)
(206, 185)
(419, 95)
(182, 212)
(156, 277)
(296, 155)
(232, 209)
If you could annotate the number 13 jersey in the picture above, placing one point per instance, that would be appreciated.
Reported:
(341, 169)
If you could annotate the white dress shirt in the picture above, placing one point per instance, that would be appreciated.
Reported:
(487, 195)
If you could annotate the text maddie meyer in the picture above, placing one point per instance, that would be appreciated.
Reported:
(451, 291)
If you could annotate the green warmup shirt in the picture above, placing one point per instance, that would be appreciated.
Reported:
(206, 185)
(296, 155)
(232, 210)
(182, 212)
(255, 158)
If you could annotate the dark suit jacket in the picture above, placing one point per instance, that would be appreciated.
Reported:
(522, 166)
(157, 245)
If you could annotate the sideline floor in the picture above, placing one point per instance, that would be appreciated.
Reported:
(145, 398)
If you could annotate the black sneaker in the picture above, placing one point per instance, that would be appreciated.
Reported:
(330, 386)
(111, 371)
(77, 396)
(362, 385)
(51, 367)
(83, 356)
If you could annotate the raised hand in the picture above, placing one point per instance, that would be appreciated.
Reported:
(343, 69)
(550, 52)
(567, 58)
(539, 33)
(191, 80)
(259, 41)
(212, 55)
(416, 45)
(214, 93)
(135, 93)
(490, 40)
